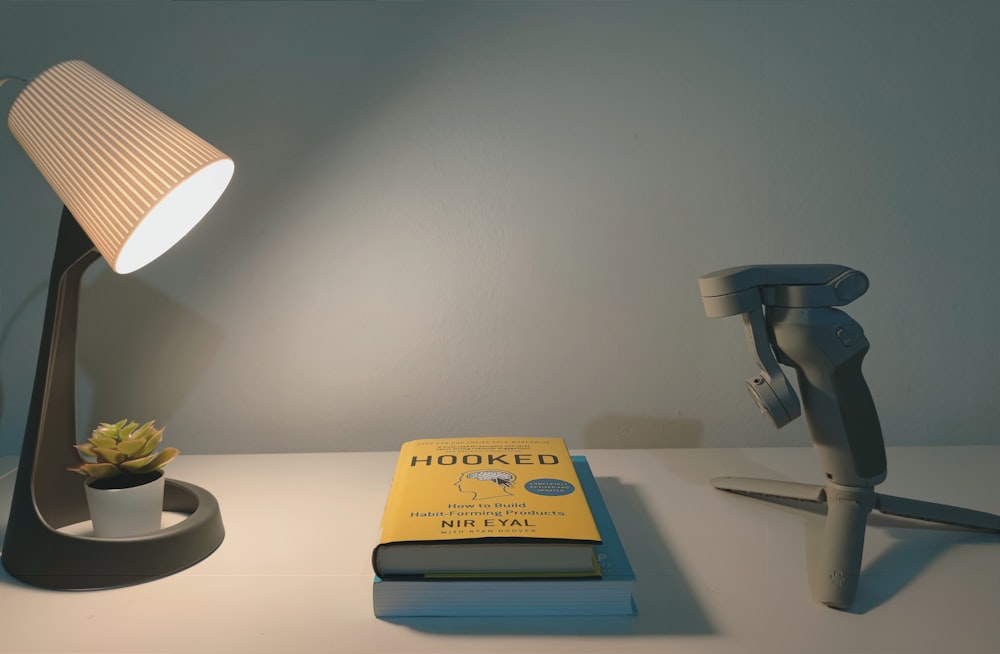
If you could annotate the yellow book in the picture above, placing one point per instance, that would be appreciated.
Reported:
(486, 506)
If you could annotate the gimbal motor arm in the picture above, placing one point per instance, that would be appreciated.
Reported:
(789, 319)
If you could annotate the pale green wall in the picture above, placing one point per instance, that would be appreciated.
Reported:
(489, 218)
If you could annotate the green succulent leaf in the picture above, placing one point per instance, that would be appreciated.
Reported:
(106, 442)
(79, 469)
(124, 447)
(143, 432)
(106, 455)
(150, 463)
(152, 442)
(161, 459)
(164, 457)
(130, 448)
(97, 470)
(137, 466)
(107, 430)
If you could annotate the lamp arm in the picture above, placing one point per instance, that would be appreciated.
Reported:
(50, 430)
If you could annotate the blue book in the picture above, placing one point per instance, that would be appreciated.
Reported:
(609, 594)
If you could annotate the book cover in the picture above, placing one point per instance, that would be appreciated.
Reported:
(486, 505)
(610, 594)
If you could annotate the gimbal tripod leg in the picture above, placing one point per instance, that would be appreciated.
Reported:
(939, 513)
(771, 489)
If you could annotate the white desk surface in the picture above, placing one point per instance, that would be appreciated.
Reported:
(717, 572)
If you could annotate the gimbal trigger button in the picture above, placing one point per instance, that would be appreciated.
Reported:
(845, 338)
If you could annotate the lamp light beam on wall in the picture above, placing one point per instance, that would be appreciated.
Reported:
(133, 182)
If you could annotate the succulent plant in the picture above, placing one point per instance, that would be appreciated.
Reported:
(124, 448)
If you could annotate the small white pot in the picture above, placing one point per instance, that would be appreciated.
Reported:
(118, 512)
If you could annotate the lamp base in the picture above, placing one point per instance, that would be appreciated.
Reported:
(49, 558)
(47, 498)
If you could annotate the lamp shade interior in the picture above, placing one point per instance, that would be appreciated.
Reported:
(174, 216)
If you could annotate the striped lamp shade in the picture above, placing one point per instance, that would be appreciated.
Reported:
(135, 180)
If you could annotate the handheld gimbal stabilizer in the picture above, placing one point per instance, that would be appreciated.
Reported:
(789, 318)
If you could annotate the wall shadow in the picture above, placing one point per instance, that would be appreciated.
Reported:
(8, 475)
(160, 350)
(36, 294)
(616, 431)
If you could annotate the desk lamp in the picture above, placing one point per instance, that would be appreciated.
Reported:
(133, 182)
(789, 319)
